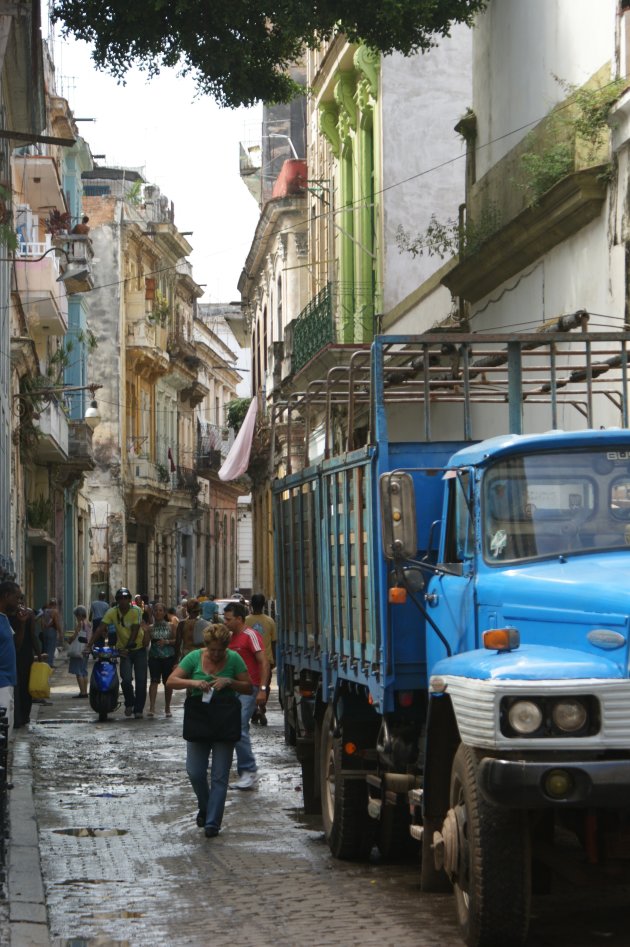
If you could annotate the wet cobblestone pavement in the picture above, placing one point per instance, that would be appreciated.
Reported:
(124, 863)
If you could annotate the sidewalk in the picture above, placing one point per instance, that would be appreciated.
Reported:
(26, 907)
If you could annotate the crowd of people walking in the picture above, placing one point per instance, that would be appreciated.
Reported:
(216, 657)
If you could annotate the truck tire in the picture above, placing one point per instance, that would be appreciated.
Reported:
(492, 876)
(347, 825)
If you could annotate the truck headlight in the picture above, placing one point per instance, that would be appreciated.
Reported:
(569, 715)
(525, 716)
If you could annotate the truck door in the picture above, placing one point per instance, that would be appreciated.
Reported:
(450, 594)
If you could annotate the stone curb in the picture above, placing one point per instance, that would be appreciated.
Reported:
(28, 918)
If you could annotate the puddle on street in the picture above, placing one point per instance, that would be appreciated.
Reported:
(90, 833)
(88, 881)
(90, 942)
(115, 915)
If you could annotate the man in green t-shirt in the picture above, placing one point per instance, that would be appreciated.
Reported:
(126, 619)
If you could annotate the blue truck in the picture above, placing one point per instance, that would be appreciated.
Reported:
(453, 604)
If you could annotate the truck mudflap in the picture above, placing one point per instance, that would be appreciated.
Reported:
(524, 784)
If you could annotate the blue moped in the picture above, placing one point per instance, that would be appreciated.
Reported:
(104, 681)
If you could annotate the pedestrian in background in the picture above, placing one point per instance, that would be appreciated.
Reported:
(52, 634)
(126, 618)
(190, 630)
(9, 601)
(28, 648)
(171, 616)
(161, 658)
(78, 664)
(248, 643)
(210, 609)
(267, 628)
(213, 668)
(98, 609)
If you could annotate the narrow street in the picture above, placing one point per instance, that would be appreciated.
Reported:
(124, 864)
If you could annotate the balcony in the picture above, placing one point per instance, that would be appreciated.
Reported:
(53, 441)
(80, 452)
(78, 275)
(313, 329)
(146, 349)
(561, 212)
(148, 487)
(38, 182)
(44, 298)
(185, 478)
(213, 446)
(208, 463)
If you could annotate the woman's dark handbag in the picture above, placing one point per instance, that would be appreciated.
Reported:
(218, 720)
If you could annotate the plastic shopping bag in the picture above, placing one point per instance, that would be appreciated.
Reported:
(39, 680)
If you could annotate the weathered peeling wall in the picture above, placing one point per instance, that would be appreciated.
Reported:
(107, 368)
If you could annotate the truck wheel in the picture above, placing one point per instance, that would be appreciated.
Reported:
(432, 880)
(347, 826)
(487, 856)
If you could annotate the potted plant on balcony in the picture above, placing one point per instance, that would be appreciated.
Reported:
(58, 222)
(160, 310)
(39, 513)
(163, 474)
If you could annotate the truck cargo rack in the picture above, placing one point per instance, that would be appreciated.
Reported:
(560, 365)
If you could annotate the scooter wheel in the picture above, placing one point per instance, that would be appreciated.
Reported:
(102, 717)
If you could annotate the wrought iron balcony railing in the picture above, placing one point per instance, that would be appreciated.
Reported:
(314, 328)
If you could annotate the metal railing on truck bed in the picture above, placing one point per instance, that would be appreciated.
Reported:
(500, 382)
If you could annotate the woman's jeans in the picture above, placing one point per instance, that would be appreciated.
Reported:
(50, 644)
(135, 663)
(210, 799)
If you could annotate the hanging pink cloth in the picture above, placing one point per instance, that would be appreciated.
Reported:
(237, 461)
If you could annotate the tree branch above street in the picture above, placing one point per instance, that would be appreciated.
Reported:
(240, 52)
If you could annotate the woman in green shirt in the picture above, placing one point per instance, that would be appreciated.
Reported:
(211, 668)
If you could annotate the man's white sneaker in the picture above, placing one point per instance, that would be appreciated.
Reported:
(247, 781)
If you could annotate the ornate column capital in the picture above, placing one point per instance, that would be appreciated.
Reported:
(328, 118)
(368, 62)
(344, 97)
(301, 242)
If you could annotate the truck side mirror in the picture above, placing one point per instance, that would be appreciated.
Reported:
(398, 515)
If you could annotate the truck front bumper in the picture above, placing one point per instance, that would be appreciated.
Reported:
(523, 784)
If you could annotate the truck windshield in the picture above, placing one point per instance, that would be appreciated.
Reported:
(554, 503)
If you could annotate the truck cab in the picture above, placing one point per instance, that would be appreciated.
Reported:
(529, 707)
